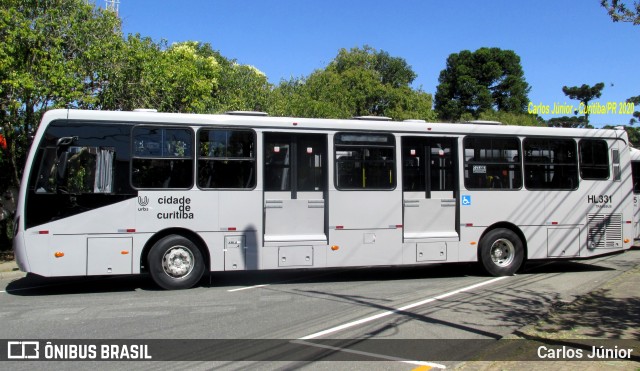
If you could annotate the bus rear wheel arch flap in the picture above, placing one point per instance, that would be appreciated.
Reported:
(175, 262)
(501, 252)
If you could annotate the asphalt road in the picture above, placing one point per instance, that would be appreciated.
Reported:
(389, 304)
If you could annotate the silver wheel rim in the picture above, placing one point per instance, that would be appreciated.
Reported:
(502, 252)
(178, 262)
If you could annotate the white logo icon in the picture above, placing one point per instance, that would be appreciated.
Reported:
(23, 350)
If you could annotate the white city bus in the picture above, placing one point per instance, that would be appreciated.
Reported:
(177, 195)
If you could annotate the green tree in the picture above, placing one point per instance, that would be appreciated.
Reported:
(636, 115)
(393, 71)
(620, 12)
(241, 88)
(584, 94)
(489, 79)
(134, 79)
(634, 136)
(184, 77)
(510, 118)
(52, 54)
(569, 122)
(319, 95)
(188, 79)
(358, 82)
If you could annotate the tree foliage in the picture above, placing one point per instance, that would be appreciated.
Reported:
(636, 115)
(186, 80)
(489, 79)
(621, 12)
(584, 94)
(133, 78)
(568, 122)
(241, 88)
(358, 82)
(52, 54)
(511, 118)
(70, 53)
(182, 77)
(634, 136)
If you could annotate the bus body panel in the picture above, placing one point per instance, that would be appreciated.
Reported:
(360, 247)
(62, 248)
(20, 252)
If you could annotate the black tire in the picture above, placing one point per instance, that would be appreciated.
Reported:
(501, 252)
(175, 263)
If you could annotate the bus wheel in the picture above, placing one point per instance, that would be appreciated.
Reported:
(175, 263)
(501, 252)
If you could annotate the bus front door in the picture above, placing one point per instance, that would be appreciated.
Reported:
(294, 188)
(429, 188)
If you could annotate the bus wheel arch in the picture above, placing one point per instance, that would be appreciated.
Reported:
(182, 246)
(502, 250)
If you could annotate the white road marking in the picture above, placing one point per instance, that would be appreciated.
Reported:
(401, 309)
(247, 288)
(388, 313)
(288, 281)
(373, 355)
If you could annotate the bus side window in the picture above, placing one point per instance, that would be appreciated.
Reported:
(365, 161)
(490, 163)
(550, 163)
(226, 159)
(162, 157)
(594, 159)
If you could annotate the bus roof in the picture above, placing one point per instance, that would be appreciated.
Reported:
(292, 123)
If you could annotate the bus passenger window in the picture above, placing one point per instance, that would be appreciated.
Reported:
(550, 163)
(365, 161)
(594, 159)
(492, 163)
(226, 159)
(162, 158)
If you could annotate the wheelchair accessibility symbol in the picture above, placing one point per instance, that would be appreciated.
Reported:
(466, 200)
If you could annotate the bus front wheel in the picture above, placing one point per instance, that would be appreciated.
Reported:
(501, 252)
(175, 263)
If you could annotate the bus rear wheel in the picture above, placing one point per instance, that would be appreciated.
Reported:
(501, 252)
(175, 263)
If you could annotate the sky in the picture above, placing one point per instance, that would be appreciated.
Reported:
(561, 42)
